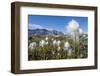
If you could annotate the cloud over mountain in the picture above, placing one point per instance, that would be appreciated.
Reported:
(34, 26)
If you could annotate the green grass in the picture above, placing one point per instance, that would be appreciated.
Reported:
(50, 52)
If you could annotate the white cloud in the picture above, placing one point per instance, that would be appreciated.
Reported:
(72, 26)
(49, 29)
(34, 26)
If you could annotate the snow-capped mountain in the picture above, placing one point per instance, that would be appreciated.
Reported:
(35, 32)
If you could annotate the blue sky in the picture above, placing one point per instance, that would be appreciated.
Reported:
(56, 22)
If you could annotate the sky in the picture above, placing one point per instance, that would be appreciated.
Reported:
(55, 22)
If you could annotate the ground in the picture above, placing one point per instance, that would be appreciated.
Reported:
(51, 52)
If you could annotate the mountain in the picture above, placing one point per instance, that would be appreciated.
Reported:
(43, 32)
